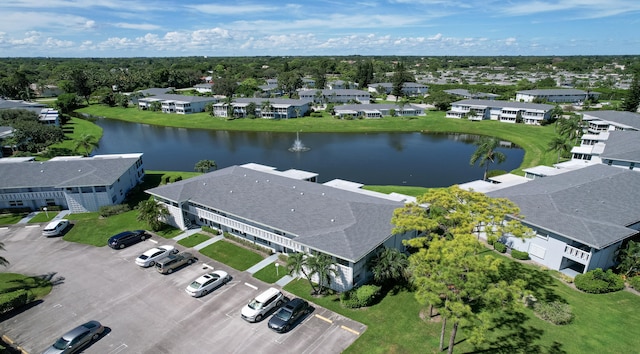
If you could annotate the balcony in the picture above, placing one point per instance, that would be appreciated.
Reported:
(577, 254)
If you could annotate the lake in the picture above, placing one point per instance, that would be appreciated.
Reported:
(412, 159)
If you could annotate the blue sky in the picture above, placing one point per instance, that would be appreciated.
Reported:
(126, 28)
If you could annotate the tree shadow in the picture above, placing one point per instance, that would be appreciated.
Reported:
(14, 312)
(539, 283)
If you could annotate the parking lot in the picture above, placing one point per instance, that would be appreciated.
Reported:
(147, 312)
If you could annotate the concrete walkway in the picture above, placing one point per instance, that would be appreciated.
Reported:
(200, 246)
(187, 234)
(31, 215)
(285, 280)
(263, 263)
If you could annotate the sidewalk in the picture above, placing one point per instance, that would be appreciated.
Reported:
(31, 215)
(263, 263)
(187, 234)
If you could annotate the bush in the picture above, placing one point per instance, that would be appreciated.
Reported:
(316, 114)
(598, 281)
(14, 300)
(634, 282)
(500, 247)
(210, 230)
(519, 255)
(247, 243)
(362, 296)
(555, 312)
(175, 178)
(110, 210)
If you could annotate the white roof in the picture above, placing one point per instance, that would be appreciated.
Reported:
(544, 170)
(509, 178)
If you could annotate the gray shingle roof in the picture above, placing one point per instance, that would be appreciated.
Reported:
(593, 205)
(60, 174)
(622, 146)
(626, 118)
(556, 92)
(342, 223)
(511, 104)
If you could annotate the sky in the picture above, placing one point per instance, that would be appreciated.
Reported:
(159, 28)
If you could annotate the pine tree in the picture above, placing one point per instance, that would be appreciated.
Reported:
(632, 100)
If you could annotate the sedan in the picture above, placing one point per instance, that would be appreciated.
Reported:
(207, 282)
(77, 338)
(288, 314)
(149, 258)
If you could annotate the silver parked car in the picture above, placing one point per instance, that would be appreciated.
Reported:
(77, 338)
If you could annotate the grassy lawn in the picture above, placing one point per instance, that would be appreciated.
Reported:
(270, 274)
(13, 218)
(10, 282)
(234, 256)
(43, 217)
(76, 127)
(533, 139)
(602, 324)
(193, 240)
(406, 190)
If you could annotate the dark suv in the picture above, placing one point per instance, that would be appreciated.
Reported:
(288, 314)
(127, 238)
(173, 261)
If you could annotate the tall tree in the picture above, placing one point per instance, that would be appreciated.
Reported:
(297, 264)
(632, 99)
(560, 145)
(323, 266)
(204, 166)
(571, 128)
(389, 265)
(629, 258)
(152, 213)
(87, 142)
(486, 154)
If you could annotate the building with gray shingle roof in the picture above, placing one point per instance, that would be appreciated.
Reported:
(76, 183)
(288, 215)
(611, 120)
(556, 95)
(622, 150)
(472, 95)
(504, 111)
(377, 110)
(335, 96)
(581, 217)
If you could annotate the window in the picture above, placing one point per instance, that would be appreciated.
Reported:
(100, 189)
(15, 203)
(86, 189)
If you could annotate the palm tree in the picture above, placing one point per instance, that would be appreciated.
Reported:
(204, 166)
(323, 266)
(152, 212)
(560, 145)
(3, 261)
(297, 264)
(265, 107)
(486, 153)
(389, 265)
(571, 128)
(87, 142)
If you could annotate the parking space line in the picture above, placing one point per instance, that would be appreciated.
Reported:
(323, 318)
(119, 348)
(154, 241)
(4, 228)
(350, 330)
(251, 286)
(208, 266)
(31, 226)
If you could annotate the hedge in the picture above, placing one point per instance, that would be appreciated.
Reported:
(500, 247)
(110, 210)
(598, 281)
(361, 296)
(634, 282)
(14, 299)
(519, 255)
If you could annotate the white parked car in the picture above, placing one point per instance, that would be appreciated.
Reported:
(260, 305)
(204, 284)
(55, 227)
(149, 258)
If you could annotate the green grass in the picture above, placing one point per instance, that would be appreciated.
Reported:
(270, 274)
(10, 282)
(12, 218)
(234, 256)
(602, 324)
(533, 139)
(406, 190)
(193, 240)
(43, 217)
(79, 127)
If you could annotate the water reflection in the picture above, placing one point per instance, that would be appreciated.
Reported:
(416, 159)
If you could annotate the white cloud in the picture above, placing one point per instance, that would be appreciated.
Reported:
(137, 26)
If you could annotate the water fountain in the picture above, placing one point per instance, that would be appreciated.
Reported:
(298, 146)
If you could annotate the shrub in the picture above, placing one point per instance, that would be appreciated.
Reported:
(634, 282)
(555, 312)
(247, 243)
(110, 210)
(175, 178)
(14, 300)
(316, 114)
(519, 255)
(500, 247)
(598, 281)
(210, 230)
(362, 296)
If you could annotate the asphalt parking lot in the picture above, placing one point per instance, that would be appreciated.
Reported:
(145, 311)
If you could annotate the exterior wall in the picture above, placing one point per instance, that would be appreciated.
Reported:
(604, 258)
(35, 200)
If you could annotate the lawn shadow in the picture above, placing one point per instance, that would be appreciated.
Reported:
(14, 312)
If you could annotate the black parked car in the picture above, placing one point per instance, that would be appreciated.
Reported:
(127, 238)
(288, 314)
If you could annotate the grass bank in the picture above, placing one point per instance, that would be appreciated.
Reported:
(533, 139)
(74, 129)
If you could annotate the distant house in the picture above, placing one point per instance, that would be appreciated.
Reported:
(503, 111)
(377, 110)
(179, 104)
(271, 108)
(49, 116)
(204, 88)
(556, 95)
(46, 90)
(600, 125)
(335, 96)
(472, 95)
(19, 104)
(286, 212)
(80, 184)
(5, 132)
(408, 88)
(581, 217)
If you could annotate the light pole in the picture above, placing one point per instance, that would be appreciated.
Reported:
(277, 265)
(46, 212)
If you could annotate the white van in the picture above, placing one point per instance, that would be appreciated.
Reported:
(54, 228)
(260, 306)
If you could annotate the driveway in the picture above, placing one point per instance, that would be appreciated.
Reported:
(147, 312)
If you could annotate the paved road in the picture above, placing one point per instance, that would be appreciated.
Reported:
(147, 312)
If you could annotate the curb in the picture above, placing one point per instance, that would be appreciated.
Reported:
(12, 344)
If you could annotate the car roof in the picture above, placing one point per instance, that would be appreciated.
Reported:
(265, 295)
(294, 303)
(54, 223)
(75, 332)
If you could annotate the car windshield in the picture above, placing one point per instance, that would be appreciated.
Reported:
(255, 304)
(61, 344)
(284, 314)
(195, 285)
(143, 256)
